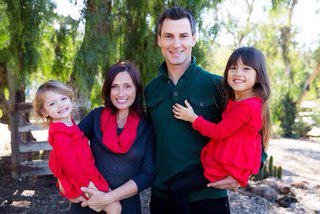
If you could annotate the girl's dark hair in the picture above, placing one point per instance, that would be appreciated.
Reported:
(110, 75)
(256, 60)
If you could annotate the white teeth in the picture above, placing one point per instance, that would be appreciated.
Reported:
(121, 101)
(63, 110)
(238, 81)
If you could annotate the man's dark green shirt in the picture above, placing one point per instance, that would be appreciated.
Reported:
(178, 146)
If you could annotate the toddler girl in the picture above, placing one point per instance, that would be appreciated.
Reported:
(70, 160)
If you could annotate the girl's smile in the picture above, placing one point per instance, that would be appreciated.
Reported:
(57, 106)
(242, 79)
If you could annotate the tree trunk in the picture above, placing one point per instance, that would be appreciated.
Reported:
(4, 104)
(309, 81)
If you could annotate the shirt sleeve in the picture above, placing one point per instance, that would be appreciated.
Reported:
(145, 178)
(234, 120)
(67, 159)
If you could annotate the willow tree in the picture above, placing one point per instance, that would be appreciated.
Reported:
(97, 49)
(19, 57)
(124, 29)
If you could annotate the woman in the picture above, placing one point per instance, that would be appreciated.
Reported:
(121, 142)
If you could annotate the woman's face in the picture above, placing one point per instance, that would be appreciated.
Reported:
(123, 91)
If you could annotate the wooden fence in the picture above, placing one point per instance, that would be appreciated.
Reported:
(23, 148)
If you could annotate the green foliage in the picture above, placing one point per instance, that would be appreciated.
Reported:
(26, 19)
(287, 115)
(301, 128)
(279, 172)
(271, 166)
(269, 171)
(64, 49)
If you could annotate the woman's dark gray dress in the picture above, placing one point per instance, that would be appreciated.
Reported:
(117, 169)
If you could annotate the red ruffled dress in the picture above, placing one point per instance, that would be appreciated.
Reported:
(235, 145)
(71, 160)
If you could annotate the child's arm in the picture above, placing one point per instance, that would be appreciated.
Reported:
(235, 119)
(67, 158)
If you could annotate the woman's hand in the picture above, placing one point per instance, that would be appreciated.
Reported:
(60, 187)
(226, 183)
(77, 200)
(98, 200)
(113, 208)
(184, 113)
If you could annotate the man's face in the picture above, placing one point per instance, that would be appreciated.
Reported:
(176, 41)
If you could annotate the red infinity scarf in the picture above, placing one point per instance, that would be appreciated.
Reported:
(122, 143)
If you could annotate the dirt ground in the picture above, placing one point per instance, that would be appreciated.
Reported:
(300, 160)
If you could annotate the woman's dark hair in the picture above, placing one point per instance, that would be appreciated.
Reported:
(256, 60)
(137, 105)
(177, 13)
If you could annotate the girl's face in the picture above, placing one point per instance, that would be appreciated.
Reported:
(57, 106)
(241, 79)
(123, 91)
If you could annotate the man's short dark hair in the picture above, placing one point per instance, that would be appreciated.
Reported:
(176, 13)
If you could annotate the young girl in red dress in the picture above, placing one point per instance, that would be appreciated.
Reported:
(70, 160)
(235, 146)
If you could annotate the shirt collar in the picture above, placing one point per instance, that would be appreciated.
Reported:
(187, 74)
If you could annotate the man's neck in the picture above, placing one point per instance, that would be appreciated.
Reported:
(176, 71)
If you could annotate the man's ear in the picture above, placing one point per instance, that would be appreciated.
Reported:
(159, 40)
(194, 39)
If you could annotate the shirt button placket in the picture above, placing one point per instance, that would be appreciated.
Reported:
(175, 96)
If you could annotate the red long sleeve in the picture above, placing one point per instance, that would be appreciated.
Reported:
(71, 160)
(67, 154)
(233, 121)
(235, 145)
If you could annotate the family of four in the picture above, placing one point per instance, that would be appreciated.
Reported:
(201, 134)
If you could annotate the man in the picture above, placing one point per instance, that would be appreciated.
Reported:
(178, 145)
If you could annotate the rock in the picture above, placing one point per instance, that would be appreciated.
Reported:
(286, 200)
(266, 192)
(271, 182)
(284, 188)
(300, 184)
(250, 186)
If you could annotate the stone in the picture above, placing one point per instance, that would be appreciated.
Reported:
(300, 184)
(286, 200)
(284, 188)
(266, 192)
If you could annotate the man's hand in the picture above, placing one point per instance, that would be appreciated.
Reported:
(226, 183)
(184, 113)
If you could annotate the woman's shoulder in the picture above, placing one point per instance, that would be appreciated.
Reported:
(97, 109)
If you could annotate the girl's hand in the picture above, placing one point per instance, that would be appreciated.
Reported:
(98, 200)
(226, 183)
(91, 186)
(184, 113)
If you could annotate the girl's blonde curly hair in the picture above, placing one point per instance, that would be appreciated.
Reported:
(51, 85)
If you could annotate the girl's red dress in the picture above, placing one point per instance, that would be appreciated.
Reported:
(235, 145)
(71, 160)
